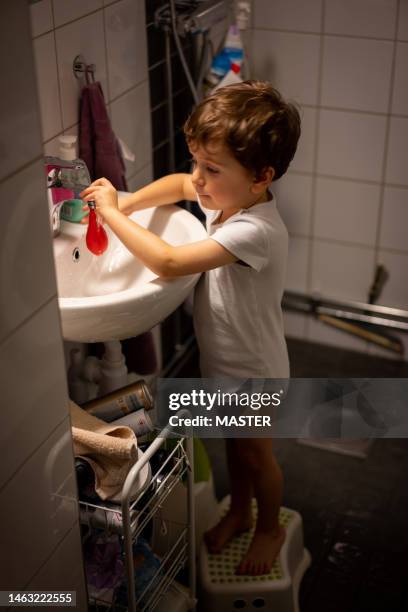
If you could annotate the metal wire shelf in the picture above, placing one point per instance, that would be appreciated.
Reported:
(131, 518)
(109, 516)
(167, 577)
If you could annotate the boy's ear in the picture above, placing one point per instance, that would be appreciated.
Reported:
(262, 181)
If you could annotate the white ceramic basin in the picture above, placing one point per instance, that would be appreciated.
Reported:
(114, 296)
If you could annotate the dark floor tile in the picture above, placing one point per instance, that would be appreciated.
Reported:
(375, 600)
(355, 530)
(329, 595)
(385, 572)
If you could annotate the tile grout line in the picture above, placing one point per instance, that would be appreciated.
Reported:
(347, 179)
(330, 34)
(105, 47)
(377, 245)
(59, 85)
(175, 95)
(355, 111)
(21, 168)
(149, 163)
(359, 245)
(67, 23)
(315, 167)
(54, 551)
(36, 449)
(127, 91)
(27, 319)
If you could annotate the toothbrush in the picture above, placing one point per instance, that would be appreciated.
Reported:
(96, 236)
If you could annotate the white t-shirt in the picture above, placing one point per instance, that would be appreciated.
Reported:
(237, 308)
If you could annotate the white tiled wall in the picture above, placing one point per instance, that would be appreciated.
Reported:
(126, 46)
(132, 109)
(84, 36)
(32, 353)
(65, 555)
(295, 69)
(37, 489)
(41, 499)
(361, 17)
(345, 197)
(351, 145)
(351, 84)
(41, 101)
(27, 271)
(111, 35)
(20, 129)
(40, 541)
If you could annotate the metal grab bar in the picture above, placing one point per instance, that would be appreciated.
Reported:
(383, 316)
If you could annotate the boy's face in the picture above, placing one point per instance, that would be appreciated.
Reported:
(221, 181)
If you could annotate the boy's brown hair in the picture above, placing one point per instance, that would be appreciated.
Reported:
(258, 126)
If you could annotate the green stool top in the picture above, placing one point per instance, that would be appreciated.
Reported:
(221, 566)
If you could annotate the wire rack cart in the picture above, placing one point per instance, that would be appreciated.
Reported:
(132, 516)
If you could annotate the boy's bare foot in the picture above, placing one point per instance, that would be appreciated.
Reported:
(262, 552)
(229, 526)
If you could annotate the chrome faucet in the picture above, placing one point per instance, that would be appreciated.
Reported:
(65, 180)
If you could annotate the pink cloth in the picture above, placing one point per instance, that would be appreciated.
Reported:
(98, 145)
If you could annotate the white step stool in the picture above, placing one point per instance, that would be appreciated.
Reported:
(221, 589)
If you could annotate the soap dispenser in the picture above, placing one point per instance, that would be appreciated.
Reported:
(67, 147)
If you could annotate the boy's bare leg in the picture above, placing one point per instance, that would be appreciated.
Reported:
(268, 486)
(239, 516)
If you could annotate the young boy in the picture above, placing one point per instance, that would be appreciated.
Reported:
(241, 138)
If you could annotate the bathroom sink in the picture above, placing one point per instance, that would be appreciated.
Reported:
(114, 296)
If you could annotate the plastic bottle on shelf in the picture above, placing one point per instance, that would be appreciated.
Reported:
(121, 402)
(242, 14)
(232, 76)
(232, 54)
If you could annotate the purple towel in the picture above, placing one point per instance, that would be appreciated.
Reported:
(98, 145)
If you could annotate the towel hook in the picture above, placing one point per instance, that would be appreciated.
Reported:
(80, 67)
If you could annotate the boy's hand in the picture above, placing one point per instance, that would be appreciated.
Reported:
(103, 193)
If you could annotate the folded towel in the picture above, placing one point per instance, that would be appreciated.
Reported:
(98, 145)
(110, 450)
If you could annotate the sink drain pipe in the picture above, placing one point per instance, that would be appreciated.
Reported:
(85, 375)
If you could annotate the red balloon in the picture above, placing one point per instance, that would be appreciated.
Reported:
(96, 237)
